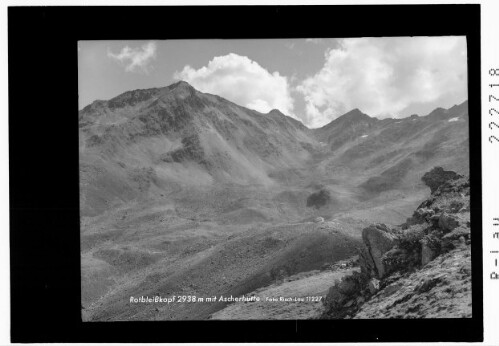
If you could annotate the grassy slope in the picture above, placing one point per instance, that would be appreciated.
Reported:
(225, 212)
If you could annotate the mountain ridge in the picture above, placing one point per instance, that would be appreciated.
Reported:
(226, 141)
(183, 192)
(188, 87)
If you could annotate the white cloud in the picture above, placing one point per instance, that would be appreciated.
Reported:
(384, 76)
(314, 40)
(135, 59)
(242, 81)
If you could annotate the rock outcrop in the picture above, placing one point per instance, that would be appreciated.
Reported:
(378, 239)
(448, 222)
(420, 269)
(441, 289)
(427, 253)
(319, 199)
(437, 176)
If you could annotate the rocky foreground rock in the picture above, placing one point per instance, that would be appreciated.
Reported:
(378, 239)
(420, 269)
(437, 176)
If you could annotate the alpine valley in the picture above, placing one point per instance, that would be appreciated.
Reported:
(184, 193)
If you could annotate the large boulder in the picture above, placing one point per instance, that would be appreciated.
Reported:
(373, 286)
(398, 259)
(427, 253)
(447, 222)
(421, 215)
(437, 176)
(378, 239)
(453, 239)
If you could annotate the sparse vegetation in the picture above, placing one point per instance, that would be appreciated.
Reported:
(411, 261)
(410, 239)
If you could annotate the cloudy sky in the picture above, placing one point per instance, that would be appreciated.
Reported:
(312, 80)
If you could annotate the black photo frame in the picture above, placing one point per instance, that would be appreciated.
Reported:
(44, 166)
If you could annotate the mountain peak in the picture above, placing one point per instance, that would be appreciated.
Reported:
(355, 113)
(459, 107)
(181, 85)
(351, 118)
(275, 111)
(181, 89)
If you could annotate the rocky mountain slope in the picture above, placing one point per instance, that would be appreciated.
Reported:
(145, 141)
(186, 192)
(420, 269)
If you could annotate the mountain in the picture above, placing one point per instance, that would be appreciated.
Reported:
(145, 141)
(150, 140)
(389, 154)
(186, 192)
(345, 128)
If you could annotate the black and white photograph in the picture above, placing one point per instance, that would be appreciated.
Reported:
(274, 179)
(259, 172)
